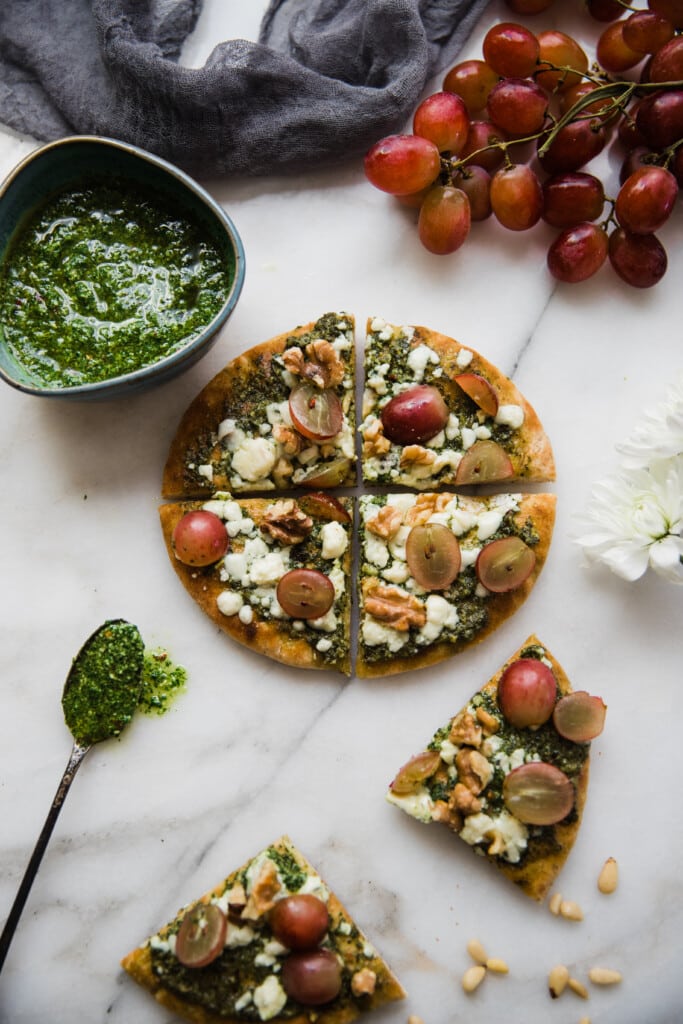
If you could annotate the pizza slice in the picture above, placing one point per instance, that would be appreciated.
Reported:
(270, 943)
(437, 413)
(278, 416)
(272, 574)
(441, 571)
(509, 772)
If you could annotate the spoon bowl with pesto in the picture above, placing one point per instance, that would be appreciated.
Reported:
(100, 696)
(117, 270)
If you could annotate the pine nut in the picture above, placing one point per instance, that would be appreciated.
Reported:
(415, 1020)
(578, 987)
(557, 980)
(584, 1020)
(609, 876)
(477, 951)
(571, 910)
(497, 965)
(604, 976)
(555, 903)
(473, 977)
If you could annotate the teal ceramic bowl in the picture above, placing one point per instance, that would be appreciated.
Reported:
(70, 162)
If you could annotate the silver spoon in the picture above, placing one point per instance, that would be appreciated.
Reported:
(101, 693)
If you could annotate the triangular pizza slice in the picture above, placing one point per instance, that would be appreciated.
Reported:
(271, 573)
(509, 772)
(270, 942)
(280, 415)
(440, 571)
(436, 413)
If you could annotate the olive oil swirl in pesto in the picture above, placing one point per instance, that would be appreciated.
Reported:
(102, 280)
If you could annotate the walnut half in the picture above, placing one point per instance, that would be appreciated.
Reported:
(393, 606)
(285, 522)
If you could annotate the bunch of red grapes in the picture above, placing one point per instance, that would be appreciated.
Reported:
(511, 135)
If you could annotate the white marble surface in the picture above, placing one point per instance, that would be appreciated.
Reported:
(253, 749)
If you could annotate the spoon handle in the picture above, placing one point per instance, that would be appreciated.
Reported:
(77, 754)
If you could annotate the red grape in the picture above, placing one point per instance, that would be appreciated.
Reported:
(200, 538)
(516, 197)
(504, 564)
(646, 199)
(482, 140)
(475, 182)
(640, 260)
(527, 692)
(312, 979)
(480, 391)
(574, 146)
(667, 63)
(671, 9)
(571, 198)
(415, 771)
(677, 166)
(442, 118)
(613, 52)
(201, 936)
(511, 50)
(485, 462)
(646, 31)
(628, 132)
(577, 253)
(401, 164)
(579, 717)
(414, 415)
(660, 118)
(300, 921)
(639, 157)
(444, 220)
(605, 10)
(472, 80)
(563, 52)
(316, 414)
(518, 106)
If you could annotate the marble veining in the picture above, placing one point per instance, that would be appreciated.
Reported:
(253, 750)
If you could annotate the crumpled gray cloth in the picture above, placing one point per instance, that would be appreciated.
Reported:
(326, 79)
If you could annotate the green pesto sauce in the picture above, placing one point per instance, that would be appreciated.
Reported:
(473, 614)
(101, 281)
(162, 682)
(103, 688)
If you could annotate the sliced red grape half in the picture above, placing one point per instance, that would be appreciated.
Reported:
(480, 391)
(316, 414)
(305, 593)
(579, 717)
(414, 415)
(415, 771)
(505, 564)
(331, 475)
(433, 555)
(201, 936)
(324, 506)
(485, 462)
(538, 793)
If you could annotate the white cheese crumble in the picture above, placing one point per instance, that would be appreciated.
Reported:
(255, 458)
(418, 804)
(246, 614)
(510, 416)
(376, 550)
(463, 358)
(229, 602)
(480, 828)
(419, 358)
(440, 614)
(334, 540)
(269, 998)
(374, 633)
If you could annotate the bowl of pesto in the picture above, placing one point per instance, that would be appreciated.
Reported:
(117, 270)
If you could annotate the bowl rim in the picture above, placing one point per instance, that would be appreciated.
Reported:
(185, 352)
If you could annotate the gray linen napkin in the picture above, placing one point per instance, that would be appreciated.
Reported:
(326, 79)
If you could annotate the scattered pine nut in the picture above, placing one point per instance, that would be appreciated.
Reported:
(557, 980)
(497, 966)
(604, 976)
(473, 977)
(571, 910)
(609, 876)
(477, 951)
(415, 1020)
(555, 903)
(584, 1020)
(578, 987)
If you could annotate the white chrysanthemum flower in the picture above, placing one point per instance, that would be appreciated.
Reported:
(635, 520)
(659, 435)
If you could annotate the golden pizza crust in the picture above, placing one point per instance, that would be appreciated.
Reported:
(138, 964)
(224, 398)
(531, 452)
(540, 508)
(265, 636)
